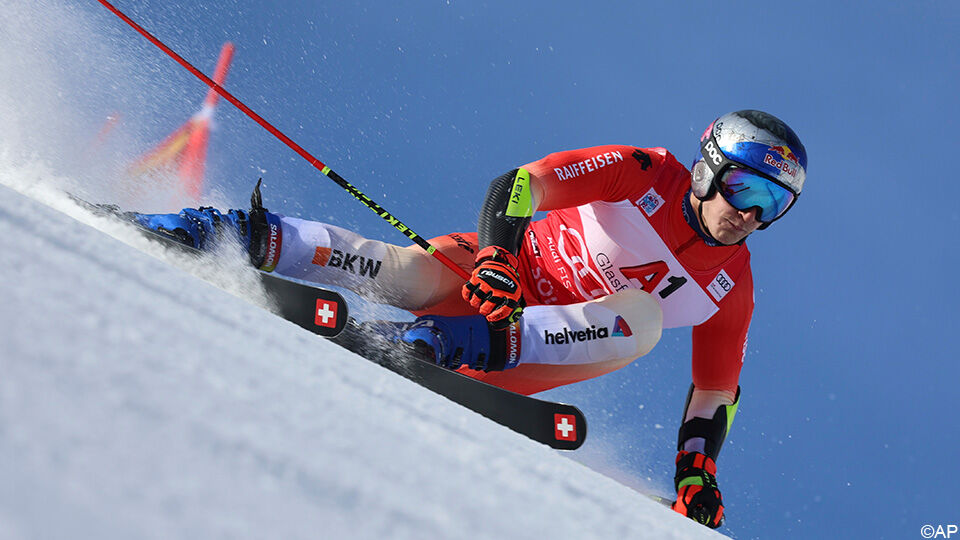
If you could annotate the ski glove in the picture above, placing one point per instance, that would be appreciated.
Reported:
(494, 288)
(698, 497)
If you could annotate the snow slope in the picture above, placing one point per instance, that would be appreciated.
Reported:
(139, 401)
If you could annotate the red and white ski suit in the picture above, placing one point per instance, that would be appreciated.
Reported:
(615, 221)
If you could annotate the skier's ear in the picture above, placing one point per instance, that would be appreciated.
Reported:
(701, 179)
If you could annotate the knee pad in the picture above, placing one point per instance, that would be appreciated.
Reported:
(642, 314)
(611, 331)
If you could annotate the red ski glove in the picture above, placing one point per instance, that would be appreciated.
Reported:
(698, 497)
(494, 288)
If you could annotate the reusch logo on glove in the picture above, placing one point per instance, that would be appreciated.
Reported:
(487, 274)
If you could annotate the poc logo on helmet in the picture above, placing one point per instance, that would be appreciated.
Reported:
(713, 153)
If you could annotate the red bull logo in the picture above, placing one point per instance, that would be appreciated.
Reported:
(782, 158)
(785, 153)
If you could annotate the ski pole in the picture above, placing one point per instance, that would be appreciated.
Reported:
(351, 189)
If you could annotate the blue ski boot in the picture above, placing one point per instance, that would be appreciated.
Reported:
(204, 228)
(451, 342)
(198, 228)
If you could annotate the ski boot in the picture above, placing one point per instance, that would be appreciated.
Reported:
(450, 342)
(204, 228)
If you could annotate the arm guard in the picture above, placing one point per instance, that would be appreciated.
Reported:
(506, 211)
(712, 430)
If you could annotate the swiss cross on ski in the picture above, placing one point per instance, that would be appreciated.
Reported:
(326, 314)
(565, 426)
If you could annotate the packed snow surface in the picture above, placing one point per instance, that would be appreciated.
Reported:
(140, 401)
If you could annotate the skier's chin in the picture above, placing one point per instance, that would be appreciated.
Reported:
(728, 234)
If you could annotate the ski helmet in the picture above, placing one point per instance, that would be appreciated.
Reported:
(754, 160)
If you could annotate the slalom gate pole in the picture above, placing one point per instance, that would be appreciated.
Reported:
(352, 190)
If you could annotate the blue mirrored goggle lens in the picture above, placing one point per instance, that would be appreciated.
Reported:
(745, 190)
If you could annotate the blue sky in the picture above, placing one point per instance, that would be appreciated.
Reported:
(848, 386)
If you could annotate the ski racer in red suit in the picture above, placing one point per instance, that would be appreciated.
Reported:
(632, 243)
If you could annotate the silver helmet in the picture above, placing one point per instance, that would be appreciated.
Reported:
(757, 142)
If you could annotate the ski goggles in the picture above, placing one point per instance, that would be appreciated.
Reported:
(745, 189)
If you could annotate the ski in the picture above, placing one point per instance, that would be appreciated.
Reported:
(557, 425)
(660, 499)
(325, 313)
(319, 310)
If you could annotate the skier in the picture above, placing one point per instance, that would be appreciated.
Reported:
(632, 243)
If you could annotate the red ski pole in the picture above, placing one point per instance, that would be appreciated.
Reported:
(359, 195)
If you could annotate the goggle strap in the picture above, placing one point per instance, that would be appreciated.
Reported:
(715, 159)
